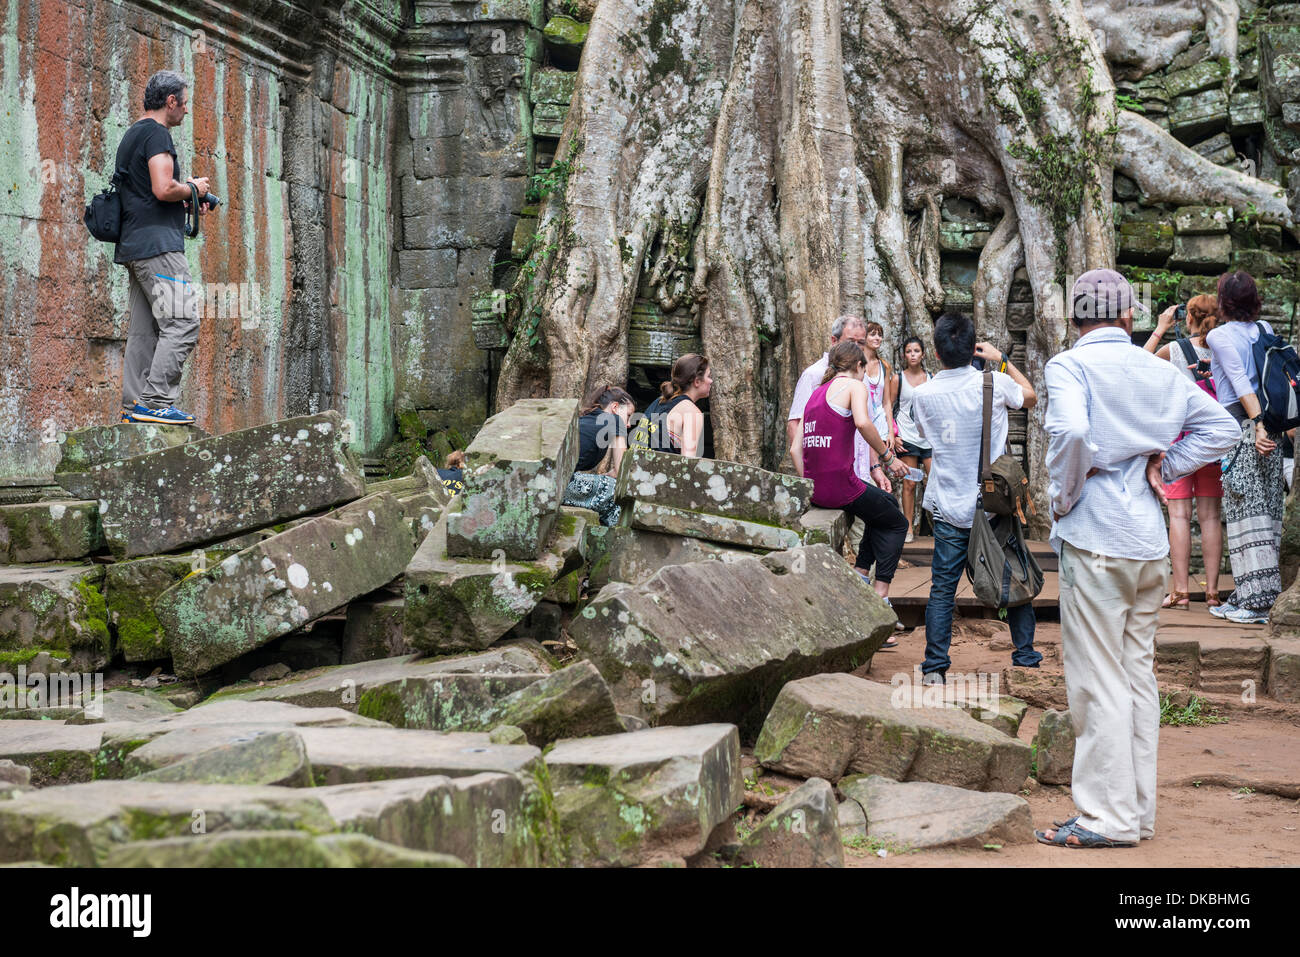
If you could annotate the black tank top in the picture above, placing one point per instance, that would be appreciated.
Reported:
(652, 431)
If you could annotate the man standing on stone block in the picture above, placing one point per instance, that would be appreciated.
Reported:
(163, 305)
(1114, 412)
(948, 411)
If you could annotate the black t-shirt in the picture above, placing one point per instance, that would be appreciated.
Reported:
(453, 480)
(596, 432)
(652, 430)
(149, 227)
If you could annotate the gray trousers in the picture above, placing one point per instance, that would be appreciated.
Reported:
(164, 310)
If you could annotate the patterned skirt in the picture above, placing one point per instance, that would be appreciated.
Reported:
(596, 492)
(1253, 495)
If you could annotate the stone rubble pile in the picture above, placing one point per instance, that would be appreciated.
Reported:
(378, 674)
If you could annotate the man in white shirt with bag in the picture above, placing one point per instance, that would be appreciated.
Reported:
(1114, 412)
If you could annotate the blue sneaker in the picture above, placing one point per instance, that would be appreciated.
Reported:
(167, 416)
(1224, 610)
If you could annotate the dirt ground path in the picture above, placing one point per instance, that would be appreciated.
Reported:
(1196, 826)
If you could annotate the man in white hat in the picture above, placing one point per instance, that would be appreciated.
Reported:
(1114, 413)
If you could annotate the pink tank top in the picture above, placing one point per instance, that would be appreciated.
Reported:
(828, 451)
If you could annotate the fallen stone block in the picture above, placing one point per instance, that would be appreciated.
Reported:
(832, 725)
(282, 583)
(49, 532)
(270, 673)
(249, 757)
(852, 820)
(273, 849)
(121, 740)
(78, 825)
(638, 798)
(1037, 687)
(54, 752)
(11, 773)
(465, 604)
(486, 820)
(56, 608)
(1284, 669)
(352, 755)
(206, 491)
(85, 448)
(1002, 712)
(131, 588)
(437, 694)
(633, 556)
(824, 526)
(573, 702)
(123, 706)
(652, 517)
(507, 734)
(1054, 747)
(715, 641)
(374, 630)
(920, 815)
(802, 831)
(728, 489)
(516, 470)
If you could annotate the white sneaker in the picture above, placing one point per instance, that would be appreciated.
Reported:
(1245, 616)
(1224, 610)
(909, 537)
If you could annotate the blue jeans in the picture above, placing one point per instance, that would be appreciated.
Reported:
(946, 569)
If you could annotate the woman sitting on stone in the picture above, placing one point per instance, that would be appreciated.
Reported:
(837, 409)
(602, 440)
(673, 422)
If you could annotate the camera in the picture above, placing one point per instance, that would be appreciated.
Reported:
(1180, 314)
(210, 200)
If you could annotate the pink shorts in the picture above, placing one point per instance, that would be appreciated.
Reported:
(1205, 482)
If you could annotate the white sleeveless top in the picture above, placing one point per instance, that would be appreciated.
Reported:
(907, 429)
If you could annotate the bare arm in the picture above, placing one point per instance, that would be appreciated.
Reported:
(989, 353)
(692, 429)
(616, 453)
(166, 189)
(1163, 325)
(794, 429)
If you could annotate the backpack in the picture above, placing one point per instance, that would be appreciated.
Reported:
(1198, 367)
(1279, 381)
(1004, 487)
(104, 214)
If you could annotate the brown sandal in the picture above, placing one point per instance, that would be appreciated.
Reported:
(1212, 601)
(1180, 600)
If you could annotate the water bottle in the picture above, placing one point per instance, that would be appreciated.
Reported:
(914, 475)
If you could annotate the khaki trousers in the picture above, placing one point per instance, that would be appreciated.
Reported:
(164, 328)
(1109, 608)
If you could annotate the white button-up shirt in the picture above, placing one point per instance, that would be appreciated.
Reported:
(1111, 406)
(803, 390)
(949, 413)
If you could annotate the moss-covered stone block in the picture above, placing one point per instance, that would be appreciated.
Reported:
(283, 583)
(516, 470)
(49, 532)
(206, 491)
(645, 796)
(666, 520)
(96, 444)
(714, 487)
(58, 608)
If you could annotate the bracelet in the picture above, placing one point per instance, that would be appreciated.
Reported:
(885, 461)
(1004, 364)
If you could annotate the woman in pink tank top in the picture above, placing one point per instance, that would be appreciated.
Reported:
(834, 412)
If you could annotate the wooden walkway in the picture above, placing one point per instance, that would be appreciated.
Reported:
(911, 586)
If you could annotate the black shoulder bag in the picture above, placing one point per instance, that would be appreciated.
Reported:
(104, 214)
(1003, 572)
